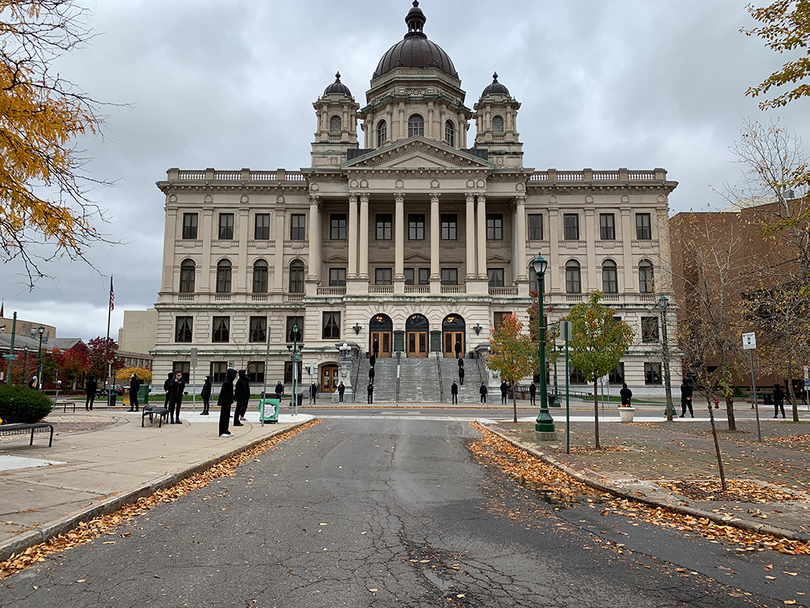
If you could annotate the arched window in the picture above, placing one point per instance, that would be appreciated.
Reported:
(297, 276)
(334, 124)
(450, 133)
(610, 281)
(382, 133)
(573, 284)
(416, 126)
(187, 276)
(224, 276)
(646, 277)
(260, 276)
(497, 124)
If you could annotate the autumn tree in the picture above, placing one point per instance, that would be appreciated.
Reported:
(98, 349)
(598, 344)
(45, 212)
(73, 363)
(512, 353)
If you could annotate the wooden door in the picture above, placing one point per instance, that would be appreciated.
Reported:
(383, 339)
(329, 379)
(449, 343)
(417, 344)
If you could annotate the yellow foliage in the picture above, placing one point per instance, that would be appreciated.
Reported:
(143, 374)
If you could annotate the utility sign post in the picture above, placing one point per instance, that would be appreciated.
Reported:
(750, 344)
(807, 386)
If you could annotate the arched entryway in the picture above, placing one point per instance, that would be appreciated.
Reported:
(380, 333)
(416, 336)
(453, 336)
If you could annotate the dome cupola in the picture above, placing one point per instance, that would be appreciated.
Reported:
(496, 88)
(337, 88)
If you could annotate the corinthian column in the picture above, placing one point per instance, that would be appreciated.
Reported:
(520, 266)
(314, 238)
(482, 237)
(399, 237)
(362, 271)
(435, 236)
(469, 223)
(352, 245)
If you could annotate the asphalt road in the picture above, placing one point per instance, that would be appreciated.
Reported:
(388, 512)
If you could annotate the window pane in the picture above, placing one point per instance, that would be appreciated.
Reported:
(643, 229)
(218, 371)
(298, 225)
(424, 276)
(449, 276)
(189, 225)
(182, 331)
(258, 329)
(334, 124)
(384, 224)
(382, 133)
(652, 373)
(297, 277)
(494, 227)
(260, 277)
(291, 323)
(187, 276)
(416, 227)
(495, 277)
(572, 278)
(262, 230)
(337, 231)
(224, 277)
(416, 125)
(497, 124)
(337, 277)
(331, 325)
(649, 329)
(449, 227)
(255, 372)
(226, 226)
(382, 276)
(571, 226)
(535, 227)
(646, 277)
(609, 277)
(221, 327)
(449, 133)
(408, 276)
(607, 228)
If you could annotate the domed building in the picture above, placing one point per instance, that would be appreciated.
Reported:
(411, 247)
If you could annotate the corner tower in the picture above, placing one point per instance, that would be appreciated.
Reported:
(337, 125)
(496, 125)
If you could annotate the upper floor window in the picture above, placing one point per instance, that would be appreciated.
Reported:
(260, 276)
(334, 124)
(292, 336)
(571, 227)
(187, 269)
(649, 329)
(495, 276)
(449, 227)
(296, 276)
(337, 277)
(226, 226)
(494, 227)
(298, 226)
(382, 276)
(646, 277)
(223, 276)
(258, 329)
(449, 276)
(610, 281)
(499, 317)
(652, 373)
(417, 276)
(535, 227)
(182, 329)
(261, 231)
(382, 132)
(331, 325)
(450, 133)
(337, 227)
(497, 124)
(607, 227)
(189, 225)
(416, 227)
(221, 329)
(573, 283)
(643, 227)
(384, 224)
(416, 125)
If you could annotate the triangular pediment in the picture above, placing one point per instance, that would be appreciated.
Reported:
(336, 259)
(497, 259)
(418, 153)
(417, 258)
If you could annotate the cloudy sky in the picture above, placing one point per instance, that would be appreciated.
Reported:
(230, 84)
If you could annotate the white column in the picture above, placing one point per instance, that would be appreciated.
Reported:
(169, 240)
(362, 271)
(203, 271)
(482, 237)
(469, 222)
(242, 234)
(435, 236)
(399, 237)
(314, 238)
(278, 252)
(352, 245)
(594, 267)
(520, 266)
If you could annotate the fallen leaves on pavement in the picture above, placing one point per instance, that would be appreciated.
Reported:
(737, 490)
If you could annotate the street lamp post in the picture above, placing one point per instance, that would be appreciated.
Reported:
(556, 401)
(663, 304)
(544, 422)
(41, 331)
(25, 365)
(296, 357)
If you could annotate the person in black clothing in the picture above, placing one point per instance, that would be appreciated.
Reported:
(134, 387)
(177, 388)
(533, 393)
(241, 395)
(372, 360)
(279, 390)
(371, 375)
(458, 349)
(167, 388)
(370, 391)
(483, 392)
(341, 391)
(461, 375)
(504, 391)
(32, 383)
(686, 398)
(454, 393)
(90, 387)
(626, 394)
(206, 395)
(778, 400)
(224, 402)
(375, 348)
(313, 394)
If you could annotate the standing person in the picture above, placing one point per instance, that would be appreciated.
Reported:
(371, 375)
(167, 389)
(458, 350)
(532, 393)
(279, 391)
(177, 389)
(375, 348)
(626, 394)
(32, 383)
(241, 394)
(341, 390)
(134, 387)
(206, 395)
(90, 387)
(483, 392)
(372, 360)
(224, 402)
(504, 391)
(778, 400)
(370, 390)
(461, 375)
(454, 393)
(313, 394)
(686, 398)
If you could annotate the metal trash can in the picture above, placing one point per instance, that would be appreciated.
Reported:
(143, 394)
(300, 399)
(268, 410)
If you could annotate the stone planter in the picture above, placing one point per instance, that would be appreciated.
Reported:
(626, 413)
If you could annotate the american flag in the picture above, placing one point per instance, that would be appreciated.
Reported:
(112, 295)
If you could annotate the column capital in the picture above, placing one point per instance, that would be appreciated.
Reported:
(470, 196)
(434, 196)
(482, 198)
(352, 198)
(364, 196)
(314, 199)
(520, 199)
(399, 197)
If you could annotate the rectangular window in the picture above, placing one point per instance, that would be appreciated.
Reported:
(261, 232)
(182, 329)
(607, 226)
(255, 372)
(219, 370)
(291, 323)
(494, 227)
(222, 329)
(495, 277)
(449, 227)
(652, 373)
(571, 226)
(384, 225)
(184, 367)
(331, 325)
(535, 227)
(498, 317)
(649, 330)
(189, 225)
(337, 227)
(424, 276)
(416, 227)
(643, 227)
(298, 227)
(337, 277)
(449, 276)
(226, 226)
(258, 329)
(408, 276)
(382, 276)
(617, 375)
(288, 372)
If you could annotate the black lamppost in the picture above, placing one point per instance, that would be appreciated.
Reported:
(41, 331)
(544, 422)
(663, 304)
(25, 365)
(296, 357)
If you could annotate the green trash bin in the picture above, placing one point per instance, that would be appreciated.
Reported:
(143, 394)
(268, 410)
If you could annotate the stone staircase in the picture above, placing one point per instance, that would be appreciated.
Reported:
(468, 393)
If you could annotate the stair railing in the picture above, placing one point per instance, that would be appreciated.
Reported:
(441, 383)
(399, 358)
(356, 367)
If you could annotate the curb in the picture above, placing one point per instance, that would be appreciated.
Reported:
(684, 510)
(113, 503)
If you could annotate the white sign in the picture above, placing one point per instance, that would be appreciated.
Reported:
(749, 341)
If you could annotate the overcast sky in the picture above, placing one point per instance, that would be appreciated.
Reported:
(230, 83)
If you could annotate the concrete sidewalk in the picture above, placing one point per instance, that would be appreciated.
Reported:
(103, 459)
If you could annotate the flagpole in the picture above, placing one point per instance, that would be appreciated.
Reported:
(107, 342)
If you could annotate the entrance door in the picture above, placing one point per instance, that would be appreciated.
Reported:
(329, 378)
(383, 339)
(450, 340)
(417, 344)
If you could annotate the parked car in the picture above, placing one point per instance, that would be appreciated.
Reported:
(104, 391)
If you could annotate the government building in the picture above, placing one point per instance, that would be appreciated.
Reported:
(415, 244)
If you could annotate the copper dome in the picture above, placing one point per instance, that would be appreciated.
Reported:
(337, 87)
(496, 88)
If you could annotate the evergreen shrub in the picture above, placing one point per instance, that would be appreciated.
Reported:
(23, 404)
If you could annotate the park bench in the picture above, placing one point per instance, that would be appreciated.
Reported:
(152, 411)
(20, 428)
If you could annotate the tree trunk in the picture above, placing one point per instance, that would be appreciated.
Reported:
(595, 415)
(717, 443)
(732, 423)
(793, 400)
(514, 407)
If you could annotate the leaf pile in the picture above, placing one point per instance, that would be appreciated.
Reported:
(737, 490)
(107, 524)
(587, 449)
